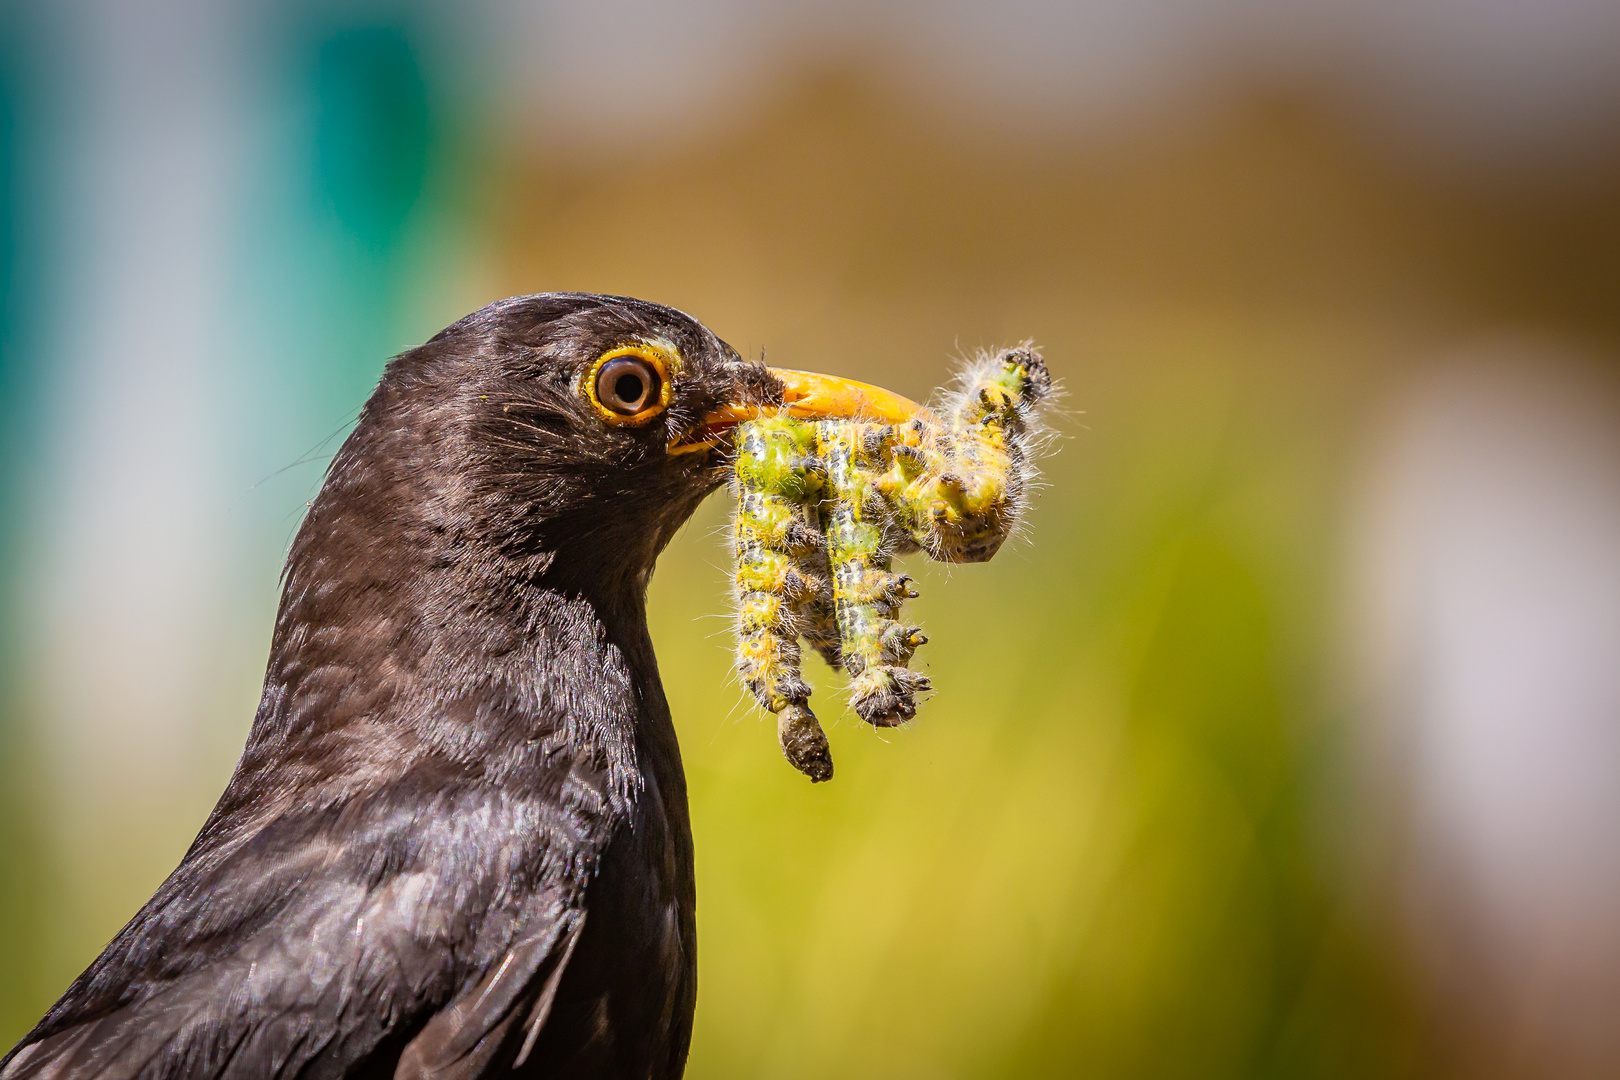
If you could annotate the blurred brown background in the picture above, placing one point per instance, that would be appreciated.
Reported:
(1287, 743)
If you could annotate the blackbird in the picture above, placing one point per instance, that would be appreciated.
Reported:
(457, 842)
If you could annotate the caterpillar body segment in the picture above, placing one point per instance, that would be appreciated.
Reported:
(824, 506)
(957, 488)
(818, 615)
(778, 577)
(866, 594)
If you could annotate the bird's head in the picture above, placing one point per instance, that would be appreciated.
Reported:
(475, 565)
(559, 435)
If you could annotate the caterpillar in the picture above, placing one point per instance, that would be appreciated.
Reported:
(824, 506)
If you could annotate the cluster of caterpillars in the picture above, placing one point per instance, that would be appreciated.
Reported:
(823, 506)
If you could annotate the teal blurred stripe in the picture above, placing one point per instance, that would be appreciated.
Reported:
(23, 861)
(341, 243)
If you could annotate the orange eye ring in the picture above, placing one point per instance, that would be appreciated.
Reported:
(631, 384)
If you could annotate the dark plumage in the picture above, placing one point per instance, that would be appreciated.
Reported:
(457, 840)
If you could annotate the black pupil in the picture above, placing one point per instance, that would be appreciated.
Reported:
(628, 389)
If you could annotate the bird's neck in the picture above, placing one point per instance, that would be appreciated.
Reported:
(428, 624)
(394, 653)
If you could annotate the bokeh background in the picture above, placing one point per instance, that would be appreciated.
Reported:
(1286, 744)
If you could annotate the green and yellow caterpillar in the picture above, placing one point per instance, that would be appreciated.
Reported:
(823, 506)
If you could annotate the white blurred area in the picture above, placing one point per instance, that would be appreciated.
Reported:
(132, 579)
(1489, 586)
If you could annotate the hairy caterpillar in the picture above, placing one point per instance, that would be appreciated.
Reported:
(823, 506)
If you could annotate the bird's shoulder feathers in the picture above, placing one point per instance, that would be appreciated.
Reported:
(425, 923)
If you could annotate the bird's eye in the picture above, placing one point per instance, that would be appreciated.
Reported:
(630, 385)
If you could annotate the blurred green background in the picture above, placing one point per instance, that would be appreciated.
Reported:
(1286, 742)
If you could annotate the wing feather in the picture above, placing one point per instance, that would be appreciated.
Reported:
(430, 935)
(466, 1036)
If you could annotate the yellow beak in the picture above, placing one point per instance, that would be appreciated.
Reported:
(811, 396)
(827, 397)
